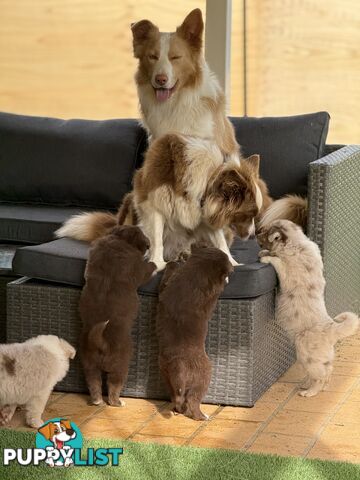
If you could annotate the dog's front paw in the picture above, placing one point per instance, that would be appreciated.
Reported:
(154, 269)
(263, 253)
(234, 263)
(308, 393)
(160, 265)
(34, 422)
(265, 259)
(3, 420)
(6, 414)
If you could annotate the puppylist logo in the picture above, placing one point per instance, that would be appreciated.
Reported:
(59, 443)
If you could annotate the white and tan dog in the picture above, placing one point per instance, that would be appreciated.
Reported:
(28, 373)
(179, 95)
(301, 309)
(183, 111)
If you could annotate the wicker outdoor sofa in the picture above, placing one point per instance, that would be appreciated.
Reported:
(86, 159)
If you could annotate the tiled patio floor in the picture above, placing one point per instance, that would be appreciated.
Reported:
(326, 426)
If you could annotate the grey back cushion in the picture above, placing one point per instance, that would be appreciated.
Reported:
(90, 164)
(82, 163)
(286, 146)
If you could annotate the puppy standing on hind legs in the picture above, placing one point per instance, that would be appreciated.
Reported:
(301, 309)
(109, 305)
(182, 326)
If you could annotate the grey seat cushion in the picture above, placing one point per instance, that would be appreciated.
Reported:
(63, 261)
(30, 224)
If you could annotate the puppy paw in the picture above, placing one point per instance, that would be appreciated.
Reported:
(265, 259)
(160, 265)
(97, 402)
(305, 385)
(154, 267)
(234, 263)
(307, 393)
(6, 414)
(263, 253)
(34, 422)
(202, 417)
(116, 402)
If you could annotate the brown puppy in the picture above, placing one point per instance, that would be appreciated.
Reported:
(108, 307)
(188, 296)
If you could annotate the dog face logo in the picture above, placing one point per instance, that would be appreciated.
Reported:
(58, 432)
(59, 437)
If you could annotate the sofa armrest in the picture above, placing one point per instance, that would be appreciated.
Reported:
(334, 224)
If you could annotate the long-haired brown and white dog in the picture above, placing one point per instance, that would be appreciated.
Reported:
(192, 179)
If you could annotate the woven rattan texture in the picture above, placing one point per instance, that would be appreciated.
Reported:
(247, 349)
(273, 353)
(334, 224)
(4, 280)
(7, 253)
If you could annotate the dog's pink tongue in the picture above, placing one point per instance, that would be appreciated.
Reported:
(162, 94)
(59, 444)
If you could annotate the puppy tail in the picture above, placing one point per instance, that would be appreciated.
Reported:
(96, 338)
(291, 207)
(87, 226)
(126, 214)
(345, 324)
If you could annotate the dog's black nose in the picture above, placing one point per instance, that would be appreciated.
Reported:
(70, 431)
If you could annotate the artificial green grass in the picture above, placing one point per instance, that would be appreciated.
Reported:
(143, 461)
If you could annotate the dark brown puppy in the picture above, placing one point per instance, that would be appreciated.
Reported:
(187, 298)
(108, 306)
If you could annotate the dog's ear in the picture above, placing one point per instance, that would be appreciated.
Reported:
(274, 236)
(192, 28)
(253, 164)
(232, 186)
(46, 431)
(66, 424)
(67, 348)
(142, 30)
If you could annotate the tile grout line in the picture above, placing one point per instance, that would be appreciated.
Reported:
(204, 425)
(264, 424)
(157, 435)
(56, 399)
(331, 415)
(147, 421)
(92, 415)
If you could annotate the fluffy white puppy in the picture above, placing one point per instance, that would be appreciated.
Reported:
(301, 307)
(29, 372)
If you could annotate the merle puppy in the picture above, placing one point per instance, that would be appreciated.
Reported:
(300, 306)
(187, 298)
(108, 307)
